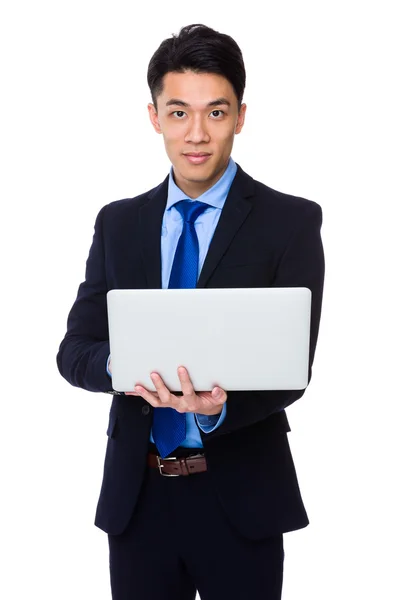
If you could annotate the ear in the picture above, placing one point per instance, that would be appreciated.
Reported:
(153, 116)
(241, 118)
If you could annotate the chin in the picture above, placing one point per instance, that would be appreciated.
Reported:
(198, 172)
(200, 177)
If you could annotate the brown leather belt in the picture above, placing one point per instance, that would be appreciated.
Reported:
(174, 466)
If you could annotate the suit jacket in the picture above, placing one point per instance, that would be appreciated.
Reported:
(263, 238)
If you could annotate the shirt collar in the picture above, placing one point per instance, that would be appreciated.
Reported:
(215, 196)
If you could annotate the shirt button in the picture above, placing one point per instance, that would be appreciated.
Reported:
(146, 410)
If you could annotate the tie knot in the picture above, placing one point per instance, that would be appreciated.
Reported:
(190, 209)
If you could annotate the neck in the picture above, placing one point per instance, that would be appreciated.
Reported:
(194, 189)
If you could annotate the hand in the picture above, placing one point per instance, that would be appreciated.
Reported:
(203, 403)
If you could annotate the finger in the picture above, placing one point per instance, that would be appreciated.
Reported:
(163, 393)
(218, 395)
(148, 396)
(186, 383)
(137, 394)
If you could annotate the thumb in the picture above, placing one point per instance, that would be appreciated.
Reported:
(216, 393)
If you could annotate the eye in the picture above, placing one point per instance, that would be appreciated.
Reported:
(179, 113)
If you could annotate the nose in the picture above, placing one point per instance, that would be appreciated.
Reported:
(197, 131)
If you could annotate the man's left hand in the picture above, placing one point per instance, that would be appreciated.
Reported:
(203, 403)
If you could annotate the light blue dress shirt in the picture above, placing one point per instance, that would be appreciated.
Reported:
(205, 224)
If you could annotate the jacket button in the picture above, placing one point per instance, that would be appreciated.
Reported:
(146, 410)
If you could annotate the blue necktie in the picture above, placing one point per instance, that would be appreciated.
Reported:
(169, 426)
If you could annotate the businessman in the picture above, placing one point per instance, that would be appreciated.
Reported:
(198, 486)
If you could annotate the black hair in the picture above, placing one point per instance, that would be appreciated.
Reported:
(200, 49)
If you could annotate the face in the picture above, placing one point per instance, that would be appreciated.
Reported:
(197, 114)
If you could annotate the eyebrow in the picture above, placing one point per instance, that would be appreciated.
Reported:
(217, 102)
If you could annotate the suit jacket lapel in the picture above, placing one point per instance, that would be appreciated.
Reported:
(150, 225)
(236, 208)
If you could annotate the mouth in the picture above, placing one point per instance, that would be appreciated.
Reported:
(197, 158)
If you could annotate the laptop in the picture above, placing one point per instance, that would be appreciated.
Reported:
(234, 338)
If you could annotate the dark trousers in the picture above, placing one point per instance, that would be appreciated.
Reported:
(179, 542)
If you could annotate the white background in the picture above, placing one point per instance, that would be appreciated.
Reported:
(329, 118)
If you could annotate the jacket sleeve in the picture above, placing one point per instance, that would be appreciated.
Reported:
(84, 350)
(301, 265)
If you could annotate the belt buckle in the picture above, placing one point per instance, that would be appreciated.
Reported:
(158, 458)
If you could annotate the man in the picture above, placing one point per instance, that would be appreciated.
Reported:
(217, 526)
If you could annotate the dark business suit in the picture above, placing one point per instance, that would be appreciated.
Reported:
(263, 238)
